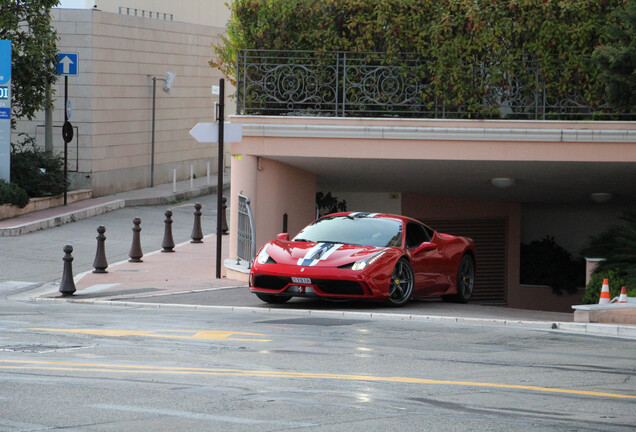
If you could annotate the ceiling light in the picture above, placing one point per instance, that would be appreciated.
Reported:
(502, 182)
(601, 197)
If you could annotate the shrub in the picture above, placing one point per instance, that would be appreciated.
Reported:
(544, 262)
(40, 173)
(11, 193)
(593, 288)
(617, 245)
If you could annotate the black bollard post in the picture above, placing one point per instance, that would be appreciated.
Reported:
(100, 262)
(135, 253)
(67, 285)
(224, 228)
(168, 242)
(197, 234)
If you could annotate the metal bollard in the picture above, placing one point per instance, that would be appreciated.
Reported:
(135, 253)
(224, 228)
(197, 234)
(100, 262)
(168, 242)
(67, 285)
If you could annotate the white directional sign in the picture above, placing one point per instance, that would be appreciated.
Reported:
(209, 132)
(67, 64)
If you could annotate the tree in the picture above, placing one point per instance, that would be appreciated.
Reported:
(33, 54)
(617, 58)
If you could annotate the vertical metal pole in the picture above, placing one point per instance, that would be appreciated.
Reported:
(65, 143)
(48, 123)
(219, 193)
(152, 149)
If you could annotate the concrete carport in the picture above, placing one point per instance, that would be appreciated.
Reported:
(441, 172)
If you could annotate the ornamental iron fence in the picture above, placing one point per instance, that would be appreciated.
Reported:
(246, 240)
(345, 84)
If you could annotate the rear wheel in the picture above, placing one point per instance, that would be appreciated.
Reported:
(402, 280)
(273, 299)
(465, 281)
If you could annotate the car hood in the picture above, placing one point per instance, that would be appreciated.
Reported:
(318, 254)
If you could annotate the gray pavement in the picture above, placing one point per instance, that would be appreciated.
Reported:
(32, 266)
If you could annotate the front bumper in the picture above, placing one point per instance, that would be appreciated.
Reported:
(332, 283)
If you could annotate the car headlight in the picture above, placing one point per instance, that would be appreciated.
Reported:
(362, 264)
(263, 256)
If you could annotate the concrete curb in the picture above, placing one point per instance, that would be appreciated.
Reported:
(62, 218)
(606, 330)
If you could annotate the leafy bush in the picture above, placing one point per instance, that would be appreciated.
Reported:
(617, 245)
(593, 288)
(11, 193)
(38, 172)
(544, 262)
(461, 42)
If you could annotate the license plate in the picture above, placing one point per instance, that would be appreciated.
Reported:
(301, 280)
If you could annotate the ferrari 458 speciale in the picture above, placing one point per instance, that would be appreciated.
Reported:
(365, 256)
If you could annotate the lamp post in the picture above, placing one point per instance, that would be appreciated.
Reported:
(168, 80)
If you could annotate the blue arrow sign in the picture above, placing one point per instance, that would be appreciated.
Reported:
(5, 61)
(67, 64)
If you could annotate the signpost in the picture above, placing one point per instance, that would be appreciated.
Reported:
(214, 132)
(67, 65)
(5, 110)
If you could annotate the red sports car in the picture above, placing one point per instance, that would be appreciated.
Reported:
(365, 256)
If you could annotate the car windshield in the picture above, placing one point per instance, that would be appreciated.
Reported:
(365, 231)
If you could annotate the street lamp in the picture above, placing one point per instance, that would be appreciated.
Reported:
(168, 80)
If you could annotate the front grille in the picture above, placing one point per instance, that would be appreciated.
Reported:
(330, 286)
(271, 282)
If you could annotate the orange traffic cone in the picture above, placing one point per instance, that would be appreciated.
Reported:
(623, 296)
(605, 294)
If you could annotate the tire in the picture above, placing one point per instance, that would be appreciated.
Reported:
(273, 299)
(401, 285)
(465, 281)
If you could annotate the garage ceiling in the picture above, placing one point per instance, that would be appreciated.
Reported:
(535, 182)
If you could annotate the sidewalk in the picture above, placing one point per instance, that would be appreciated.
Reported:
(160, 194)
(186, 278)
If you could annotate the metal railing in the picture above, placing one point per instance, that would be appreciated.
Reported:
(345, 84)
(246, 240)
(123, 10)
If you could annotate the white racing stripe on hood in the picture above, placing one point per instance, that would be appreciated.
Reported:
(318, 253)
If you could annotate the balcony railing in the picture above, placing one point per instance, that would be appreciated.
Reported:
(343, 84)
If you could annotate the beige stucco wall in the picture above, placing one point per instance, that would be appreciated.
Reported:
(112, 98)
(204, 12)
(274, 189)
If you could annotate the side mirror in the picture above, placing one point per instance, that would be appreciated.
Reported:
(283, 236)
(426, 247)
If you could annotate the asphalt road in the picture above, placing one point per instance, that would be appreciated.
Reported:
(89, 367)
(78, 367)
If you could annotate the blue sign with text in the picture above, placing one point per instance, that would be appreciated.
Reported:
(5, 61)
(67, 64)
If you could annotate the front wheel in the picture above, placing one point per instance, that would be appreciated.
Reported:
(273, 299)
(465, 281)
(401, 286)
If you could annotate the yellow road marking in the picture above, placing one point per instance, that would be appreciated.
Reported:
(102, 367)
(175, 334)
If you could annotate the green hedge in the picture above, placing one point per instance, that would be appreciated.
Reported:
(40, 173)
(455, 37)
(616, 282)
(11, 193)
